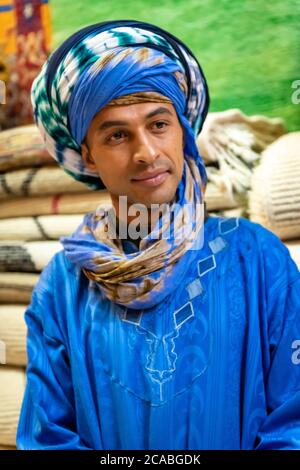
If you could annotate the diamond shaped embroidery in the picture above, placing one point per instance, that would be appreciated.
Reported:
(194, 288)
(228, 225)
(183, 314)
(217, 245)
(132, 316)
(207, 264)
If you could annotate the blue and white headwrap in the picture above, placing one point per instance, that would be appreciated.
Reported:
(90, 69)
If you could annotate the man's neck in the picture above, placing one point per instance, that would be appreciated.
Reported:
(137, 241)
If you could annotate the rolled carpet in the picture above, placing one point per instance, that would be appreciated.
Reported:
(231, 144)
(39, 181)
(16, 287)
(58, 204)
(274, 199)
(22, 147)
(44, 227)
(231, 133)
(12, 380)
(13, 334)
(27, 256)
(219, 194)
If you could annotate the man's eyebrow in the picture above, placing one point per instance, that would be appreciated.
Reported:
(160, 110)
(106, 124)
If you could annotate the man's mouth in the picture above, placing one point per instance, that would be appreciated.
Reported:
(153, 178)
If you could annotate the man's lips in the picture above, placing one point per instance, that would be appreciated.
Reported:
(149, 175)
(152, 179)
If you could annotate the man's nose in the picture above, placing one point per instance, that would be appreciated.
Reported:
(144, 150)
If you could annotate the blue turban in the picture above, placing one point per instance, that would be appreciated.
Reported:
(105, 61)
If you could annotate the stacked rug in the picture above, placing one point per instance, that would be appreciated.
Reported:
(22, 147)
(25, 37)
(231, 144)
(16, 287)
(39, 203)
(253, 169)
(11, 395)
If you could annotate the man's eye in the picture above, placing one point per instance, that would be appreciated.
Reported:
(116, 136)
(160, 124)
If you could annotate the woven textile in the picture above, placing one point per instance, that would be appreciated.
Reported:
(25, 41)
(57, 204)
(231, 144)
(274, 200)
(44, 227)
(27, 257)
(16, 287)
(38, 181)
(13, 333)
(12, 387)
(22, 147)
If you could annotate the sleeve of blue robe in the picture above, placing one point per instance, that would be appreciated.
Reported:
(281, 428)
(47, 419)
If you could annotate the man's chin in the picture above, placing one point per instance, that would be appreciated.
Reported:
(159, 199)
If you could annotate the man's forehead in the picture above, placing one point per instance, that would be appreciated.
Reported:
(127, 113)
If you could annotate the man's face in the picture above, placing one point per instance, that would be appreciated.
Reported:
(127, 143)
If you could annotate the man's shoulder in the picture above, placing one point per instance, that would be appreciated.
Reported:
(268, 243)
(251, 240)
(244, 230)
(58, 270)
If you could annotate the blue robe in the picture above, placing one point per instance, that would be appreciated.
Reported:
(216, 365)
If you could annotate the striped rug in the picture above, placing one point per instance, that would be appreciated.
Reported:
(13, 333)
(77, 203)
(27, 256)
(43, 227)
(22, 147)
(16, 287)
(12, 380)
(38, 181)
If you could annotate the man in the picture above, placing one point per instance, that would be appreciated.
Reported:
(177, 339)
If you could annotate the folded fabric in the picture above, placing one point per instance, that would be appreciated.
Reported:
(231, 144)
(16, 287)
(22, 147)
(56, 204)
(13, 334)
(274, 200)
(44, 227)
(219, 194)
(12, 388)
(39, 181)
(229, 134)
(28, 256)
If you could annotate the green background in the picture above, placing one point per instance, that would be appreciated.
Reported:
(249, 49)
